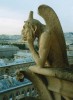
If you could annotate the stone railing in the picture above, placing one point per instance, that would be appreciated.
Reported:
(20, 91)
(10, 69)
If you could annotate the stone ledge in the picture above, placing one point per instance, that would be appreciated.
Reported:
(65, 73)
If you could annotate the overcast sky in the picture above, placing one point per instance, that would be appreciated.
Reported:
(14, 12)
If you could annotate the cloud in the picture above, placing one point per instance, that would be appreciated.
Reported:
(10, 22)
(13, 14)
(10, 26)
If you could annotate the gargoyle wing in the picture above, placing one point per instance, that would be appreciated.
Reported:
(49, 15)
(53, 24)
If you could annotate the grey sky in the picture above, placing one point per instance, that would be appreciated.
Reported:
(14, 12)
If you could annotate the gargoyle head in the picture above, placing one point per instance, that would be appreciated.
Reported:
(31, 26)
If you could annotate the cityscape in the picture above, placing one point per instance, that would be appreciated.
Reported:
(12, 55)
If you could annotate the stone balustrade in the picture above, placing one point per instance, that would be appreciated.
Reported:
(10, 69)
(19, 91)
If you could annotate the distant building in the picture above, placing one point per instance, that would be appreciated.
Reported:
(2, 63)
(23, 56)
(71, 47)
(10, 38)
(70, 54)
(7, 50)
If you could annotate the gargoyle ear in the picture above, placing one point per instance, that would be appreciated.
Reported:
(30, 17)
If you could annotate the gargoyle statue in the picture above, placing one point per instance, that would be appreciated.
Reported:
(52, 46)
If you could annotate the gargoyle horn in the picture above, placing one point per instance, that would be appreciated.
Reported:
(30, 15)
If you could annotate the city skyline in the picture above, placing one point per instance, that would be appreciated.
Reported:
(14, 13)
